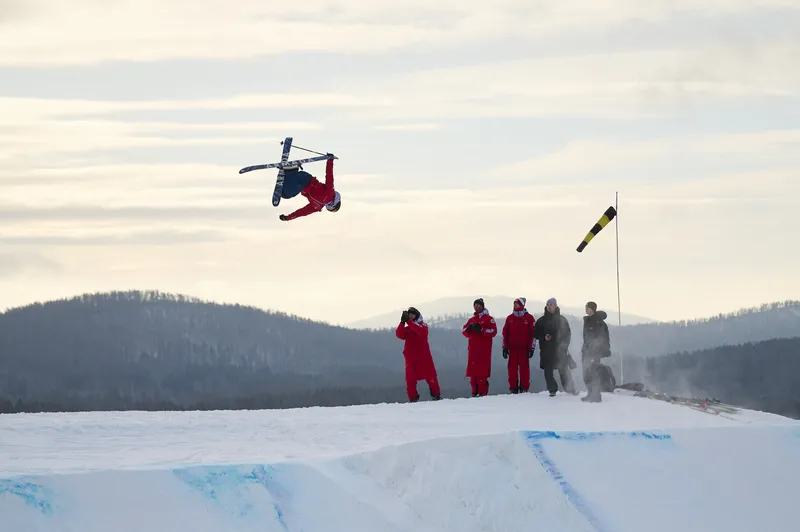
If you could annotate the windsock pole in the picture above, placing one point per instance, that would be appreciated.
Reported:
(619, 306)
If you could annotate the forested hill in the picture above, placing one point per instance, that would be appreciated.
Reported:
(767, 322)
(760, 375)
(147, 349)
(775, 320)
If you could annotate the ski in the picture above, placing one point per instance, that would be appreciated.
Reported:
(276, 194)
(701, 405)
(285, 164)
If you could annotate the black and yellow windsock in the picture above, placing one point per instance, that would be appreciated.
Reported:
(601, 223)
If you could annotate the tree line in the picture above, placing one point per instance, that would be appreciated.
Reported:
(148, 350)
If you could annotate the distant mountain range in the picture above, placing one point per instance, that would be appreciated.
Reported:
(499, 306)
(644, 339)
(150, 350)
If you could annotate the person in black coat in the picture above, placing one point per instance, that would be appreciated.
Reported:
(596, 346)
(553, 333)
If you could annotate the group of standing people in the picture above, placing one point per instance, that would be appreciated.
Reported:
(520, 334)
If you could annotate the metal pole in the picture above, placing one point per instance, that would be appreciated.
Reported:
(296, 147)
(619, 306)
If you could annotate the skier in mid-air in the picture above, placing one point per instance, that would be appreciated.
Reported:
(297, 181)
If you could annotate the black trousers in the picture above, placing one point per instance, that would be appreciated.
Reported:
(565, 376)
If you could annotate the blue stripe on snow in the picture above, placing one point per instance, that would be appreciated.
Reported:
(225, 485)
(573, 496)
(264, 476)
(34, 495)
(534, 440)
(572, 436)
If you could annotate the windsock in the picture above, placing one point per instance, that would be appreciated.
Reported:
(601, 223)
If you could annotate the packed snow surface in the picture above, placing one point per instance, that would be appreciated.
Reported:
(522, 462)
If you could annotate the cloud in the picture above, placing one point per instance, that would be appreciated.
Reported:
(621, 85)
(586, 157)
(224, 210)
(622, 161)
(20, 110)
(85, 31)
(164, 237)
(13, 11)
(12, 265)
(618, 85)
(408, 127)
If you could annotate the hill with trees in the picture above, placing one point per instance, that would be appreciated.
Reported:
(758, 375)
(151, 350)
(145, 349)
(766, 322)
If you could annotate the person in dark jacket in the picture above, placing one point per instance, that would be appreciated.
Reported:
(596, 346)
(553, 333)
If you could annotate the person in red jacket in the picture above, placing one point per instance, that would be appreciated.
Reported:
(480, 329)
(518, 346)
(417, 353)
(297, 181)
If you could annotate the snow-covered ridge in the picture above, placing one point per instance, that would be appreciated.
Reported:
(493, 463)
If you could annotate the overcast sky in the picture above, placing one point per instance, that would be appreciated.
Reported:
(478, 142)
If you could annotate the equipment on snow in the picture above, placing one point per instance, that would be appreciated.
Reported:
(708, 405)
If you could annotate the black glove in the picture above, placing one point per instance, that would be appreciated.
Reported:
(405, 316)
(505, 352)
(283, 217)
(530, 353)
(474, 327)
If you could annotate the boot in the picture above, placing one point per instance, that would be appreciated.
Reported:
(593, 393)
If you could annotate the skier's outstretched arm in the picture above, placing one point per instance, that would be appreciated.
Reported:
(329, 176)
(302, 211)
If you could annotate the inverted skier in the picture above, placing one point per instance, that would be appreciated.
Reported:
(297, 181)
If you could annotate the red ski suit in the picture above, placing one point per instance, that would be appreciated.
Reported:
(479, 351)
(317, 194)
(417, 353)
(518, 339)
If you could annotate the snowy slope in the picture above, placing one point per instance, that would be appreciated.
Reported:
(493, 463)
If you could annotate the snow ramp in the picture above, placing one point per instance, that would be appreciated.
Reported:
(716, 478)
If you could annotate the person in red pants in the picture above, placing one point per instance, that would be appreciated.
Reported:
(480, 329)
(417, 353)
(518, 346)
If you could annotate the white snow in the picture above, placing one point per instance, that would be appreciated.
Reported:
(461, 465)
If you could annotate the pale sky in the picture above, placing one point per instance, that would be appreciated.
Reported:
(478, 142)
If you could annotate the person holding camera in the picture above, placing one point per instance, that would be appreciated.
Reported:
(413, 330)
